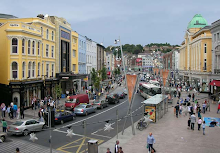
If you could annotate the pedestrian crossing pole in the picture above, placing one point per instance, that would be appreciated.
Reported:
(117, 122)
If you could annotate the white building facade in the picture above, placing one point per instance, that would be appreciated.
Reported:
(89, 59)
(94, 55)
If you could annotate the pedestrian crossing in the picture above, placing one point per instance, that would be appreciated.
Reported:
(24, 146)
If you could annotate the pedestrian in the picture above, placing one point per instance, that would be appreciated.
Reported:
(108, 150)
(193, 121)
(150, 142)
(32, 103)
(15, 108)
(4, 125)
(191, 109)
(199, 113)
(204, 107)
(17, 150)
(203, 127)
(116, 146)
(180, 109)
(189, 96)
(218, 108)
(3, 109)
(193, 97)
(199, 123)
(18, 112)
(120, 150)
(11, 112)
(8, 110)
(177, 110)
(189, 122)
(22, 112)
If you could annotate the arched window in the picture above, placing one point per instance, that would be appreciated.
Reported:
(14, 70)
(23, 46)
(23, 70)
(42, 31)
(33, 70)
(52, 35)
(14, 45)
(29, 46)
(38, 48)
(47, 34)
(29, 69)
(38, 69)
(33, 47)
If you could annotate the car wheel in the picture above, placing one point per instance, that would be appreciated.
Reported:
(3, 138)
(26, 132)
(44, 126)
(61, 122)
(107, 105)
(86, 113)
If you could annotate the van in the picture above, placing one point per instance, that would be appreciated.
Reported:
(75, 100)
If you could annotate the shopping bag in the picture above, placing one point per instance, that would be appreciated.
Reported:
(147, 146)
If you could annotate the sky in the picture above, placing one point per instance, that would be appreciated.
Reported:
(134, 21)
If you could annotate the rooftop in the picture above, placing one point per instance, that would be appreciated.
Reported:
(197, 22)
(7, 16)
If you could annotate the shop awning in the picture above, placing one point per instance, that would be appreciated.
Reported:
(215, 83)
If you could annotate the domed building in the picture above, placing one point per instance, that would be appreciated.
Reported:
(195, 62)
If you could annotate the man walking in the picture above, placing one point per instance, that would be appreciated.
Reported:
(22, 112)
(150, 141)
(193, 121)
(177, 110)
(116, 146)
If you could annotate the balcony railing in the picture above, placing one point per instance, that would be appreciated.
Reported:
(217, 71)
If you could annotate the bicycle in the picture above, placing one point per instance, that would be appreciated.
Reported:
(143, 123)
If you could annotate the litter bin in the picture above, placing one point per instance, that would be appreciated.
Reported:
(93, 146)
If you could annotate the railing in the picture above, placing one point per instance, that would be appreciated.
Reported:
(216, 71)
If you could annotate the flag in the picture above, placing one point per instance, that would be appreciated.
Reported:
(131, 82)
(165, 74)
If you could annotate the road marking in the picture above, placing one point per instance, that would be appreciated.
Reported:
(93, 115)
(102, 136)
(56, 130)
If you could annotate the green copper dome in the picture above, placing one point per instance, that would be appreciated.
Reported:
(197, 22)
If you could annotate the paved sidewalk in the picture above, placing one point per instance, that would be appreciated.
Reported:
(172, 135)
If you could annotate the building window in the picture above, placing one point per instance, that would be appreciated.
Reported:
(47, 70)
(29, 46)
(14, 45)
(52, 70)
(33, 47)
(217, 36)
(84, 46)
(205, 48)
(38, 71)
(47, 34)
(29, 69)
(23, 70)
(33, 70)
(42, 69)
(74, 67)
(42, 31)
(42, 49)
(23, 46)
(74, 41)
(205, 64)
(74, 53)
(52, 36)
(38, 48)
(47, 50)
(52, 51)
(14, 70)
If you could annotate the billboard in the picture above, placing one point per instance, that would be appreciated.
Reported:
(151, 112)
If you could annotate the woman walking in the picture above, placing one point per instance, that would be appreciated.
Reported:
(4, 125)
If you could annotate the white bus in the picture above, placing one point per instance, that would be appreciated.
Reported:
(149, 90)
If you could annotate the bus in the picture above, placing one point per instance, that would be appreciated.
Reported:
(149, 90)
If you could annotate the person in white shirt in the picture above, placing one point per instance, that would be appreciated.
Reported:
(199, 123)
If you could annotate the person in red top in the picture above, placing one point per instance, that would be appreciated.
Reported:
(218, 107)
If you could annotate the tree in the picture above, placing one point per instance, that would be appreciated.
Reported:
(58, 90)
(104, 73)
(94, 74)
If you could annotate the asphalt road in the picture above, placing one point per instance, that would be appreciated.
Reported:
(94, 128)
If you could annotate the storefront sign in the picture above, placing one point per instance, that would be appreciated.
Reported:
(151, 112)
(65, 78)
(85, 79)
(15, 87)
(14, 25)
(65, 35)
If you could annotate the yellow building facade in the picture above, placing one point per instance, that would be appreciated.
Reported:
(28, 59)
(195, 63)
(74, 57)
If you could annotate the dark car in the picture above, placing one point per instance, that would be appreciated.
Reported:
(121, 95)
(64, 116)
(112, 98)
(100, 104)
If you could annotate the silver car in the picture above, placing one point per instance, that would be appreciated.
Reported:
(25, 127)
(84, 109)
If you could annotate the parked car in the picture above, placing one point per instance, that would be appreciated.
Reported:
(100, 104)
(112, 98)
(64, 116)
(3, 136)
(121, 95)
(75, 100)
(84, 109)
(125, 91)
(26, 126)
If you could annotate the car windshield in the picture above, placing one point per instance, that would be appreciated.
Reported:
(57, 114)
(80, 106)
(18, 123)
(96, 102)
